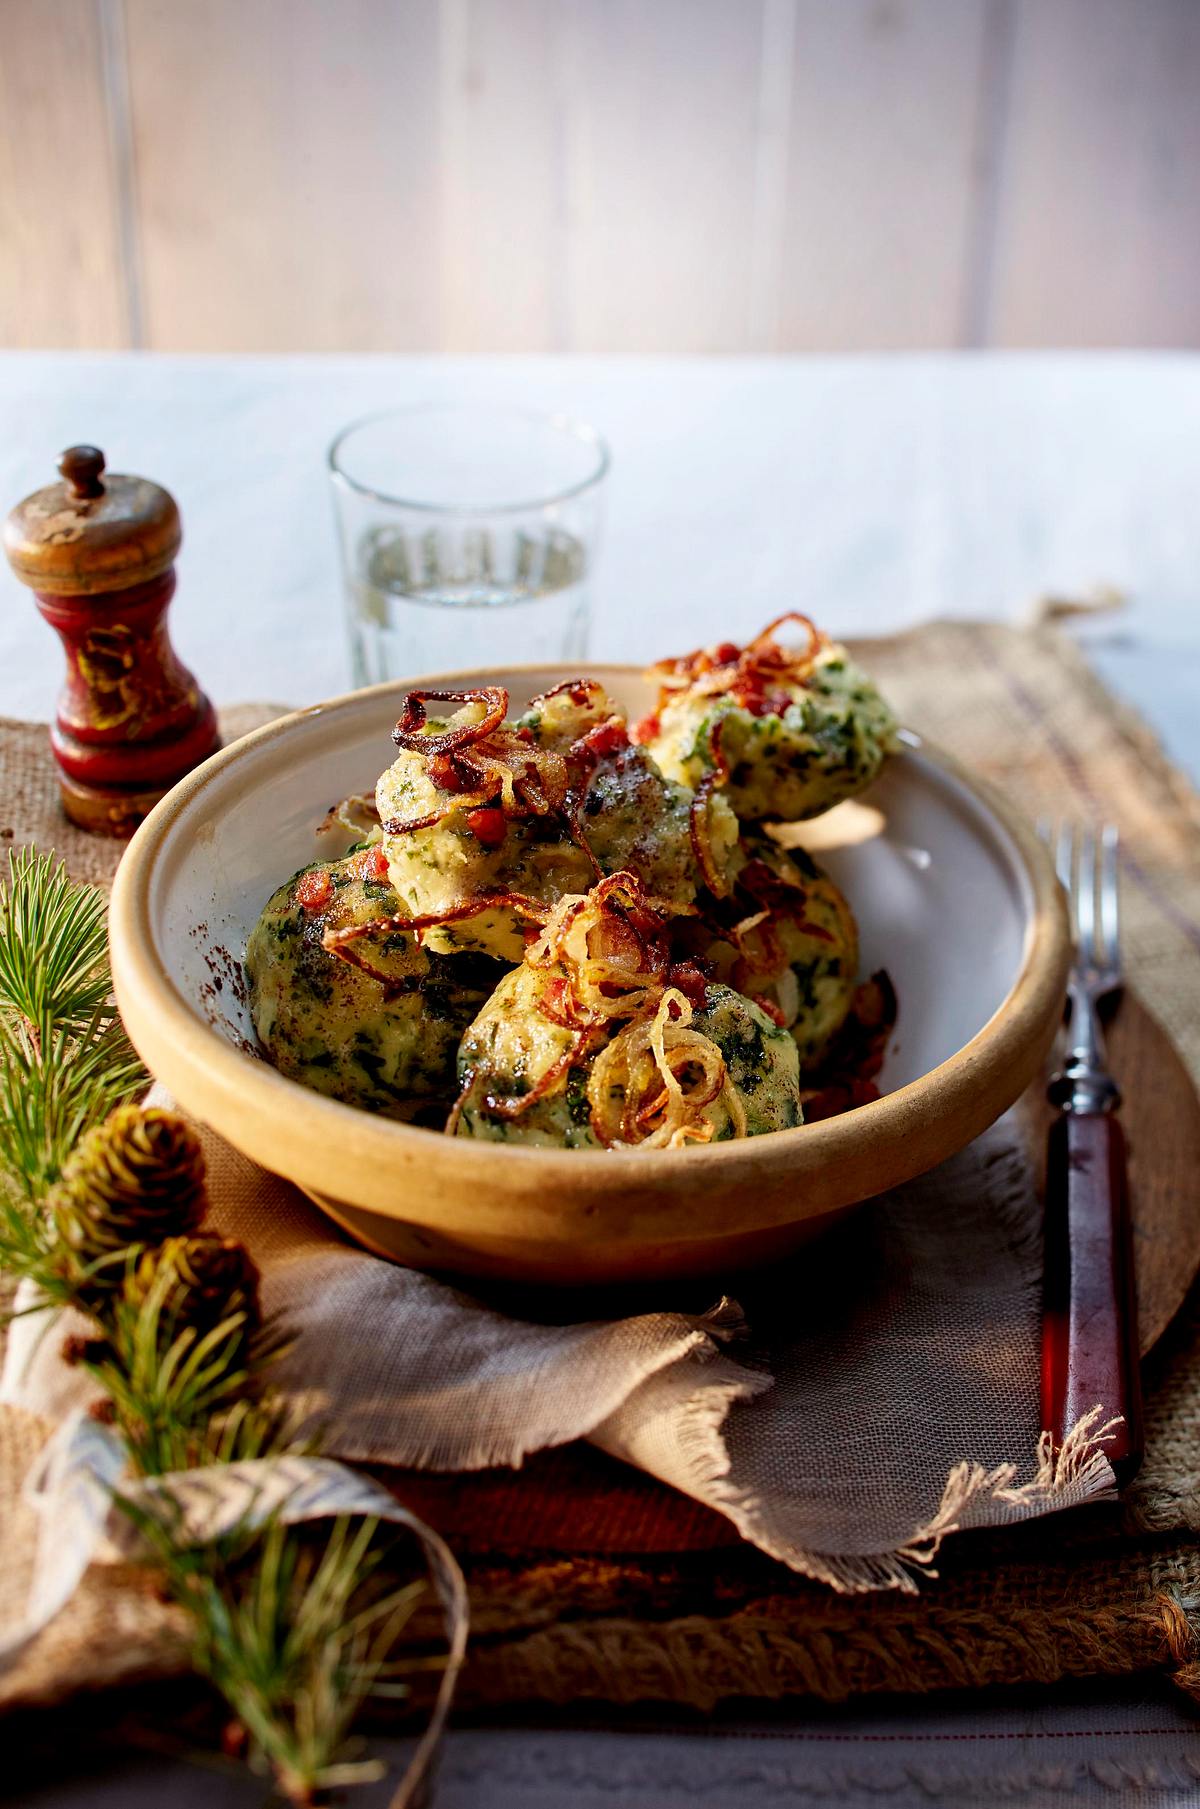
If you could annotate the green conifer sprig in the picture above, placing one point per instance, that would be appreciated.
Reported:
(293, 1625)
(65, 1060)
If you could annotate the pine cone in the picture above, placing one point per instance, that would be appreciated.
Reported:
(211, 1278)
(135, 1179)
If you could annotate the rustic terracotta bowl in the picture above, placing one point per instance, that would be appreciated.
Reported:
(953, 893)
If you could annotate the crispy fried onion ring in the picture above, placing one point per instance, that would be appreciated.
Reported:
(766, 900)
(356, 814)
(604, 973)
(700, 814)
(510, 1106)
(754, 676)
(603, 954)
(478, 761)
(579, 690)
(410, 733)
(343, 942)
(650, 1087)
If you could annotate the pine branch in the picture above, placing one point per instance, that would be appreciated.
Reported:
(293, 1628)
(185, 1397)
(65, 1060)
(295, 1631)
(53, 946)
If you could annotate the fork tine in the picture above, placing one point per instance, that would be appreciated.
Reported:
(1085, 894)
(1110, 905)
(1064, 864)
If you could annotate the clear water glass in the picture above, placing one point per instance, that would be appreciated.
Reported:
(469, 536)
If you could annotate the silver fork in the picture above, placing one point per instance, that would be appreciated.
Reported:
(1084, 1083)
(1089, 1328)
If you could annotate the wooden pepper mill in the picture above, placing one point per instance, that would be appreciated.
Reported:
(98, 552)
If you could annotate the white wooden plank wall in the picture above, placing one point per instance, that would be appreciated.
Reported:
(599, 175)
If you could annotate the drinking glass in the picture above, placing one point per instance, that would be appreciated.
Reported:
(469, 535)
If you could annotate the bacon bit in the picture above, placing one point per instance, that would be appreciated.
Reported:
(757, 699)
(372, 863)
(606, 738)
(647, 729)
(451, 774)
(772, 1011)
(489, 826)
(314, 890)
(687, 978)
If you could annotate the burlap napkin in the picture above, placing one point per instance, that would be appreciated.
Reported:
(880, 1392)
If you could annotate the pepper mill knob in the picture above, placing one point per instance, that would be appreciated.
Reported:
(98, 553)
(81, 466)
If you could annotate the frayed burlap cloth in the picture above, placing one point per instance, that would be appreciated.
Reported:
(589, 1581)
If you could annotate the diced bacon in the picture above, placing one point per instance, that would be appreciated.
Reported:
(372, 863)
(609, 737)
(688, 979)
(448, 774)
(488, 825)
(314, 890)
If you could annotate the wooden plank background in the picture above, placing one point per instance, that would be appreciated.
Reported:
(599, 175)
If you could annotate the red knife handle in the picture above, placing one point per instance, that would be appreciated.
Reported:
(1089, 1326)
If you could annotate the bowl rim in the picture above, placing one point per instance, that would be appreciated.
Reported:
(234, 1085)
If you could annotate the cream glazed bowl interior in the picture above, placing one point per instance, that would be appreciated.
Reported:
(954, 896)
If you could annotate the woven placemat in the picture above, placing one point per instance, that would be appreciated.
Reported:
(588, 1581)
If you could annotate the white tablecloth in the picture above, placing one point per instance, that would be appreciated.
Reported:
(872, 492)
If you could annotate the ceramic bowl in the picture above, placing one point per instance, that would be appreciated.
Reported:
(954, 896)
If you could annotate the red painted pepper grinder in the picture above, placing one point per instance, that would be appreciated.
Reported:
(98, 552)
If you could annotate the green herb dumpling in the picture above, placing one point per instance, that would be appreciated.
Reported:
(790, 943)
(600, 1041)
(379, 1029)
(488, 824)
(782, 733)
